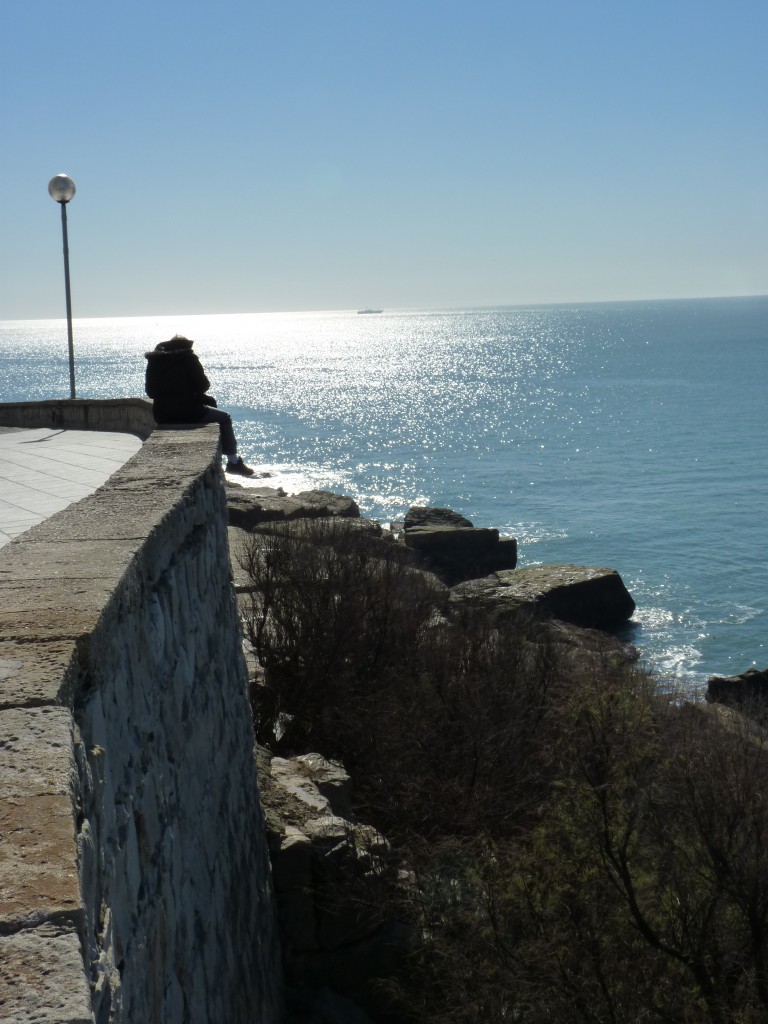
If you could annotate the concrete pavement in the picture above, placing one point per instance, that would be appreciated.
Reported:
(44, 470)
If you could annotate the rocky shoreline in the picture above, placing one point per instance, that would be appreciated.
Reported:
(330, 948)
(477, 565)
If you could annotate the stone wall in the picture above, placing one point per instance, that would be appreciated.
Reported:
(121, 415)
(134, 875)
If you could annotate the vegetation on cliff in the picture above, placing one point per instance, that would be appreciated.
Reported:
(574, 843)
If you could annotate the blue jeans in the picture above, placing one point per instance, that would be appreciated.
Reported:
(228, 442)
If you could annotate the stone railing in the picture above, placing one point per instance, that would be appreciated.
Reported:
(122, 415)
(134, 875)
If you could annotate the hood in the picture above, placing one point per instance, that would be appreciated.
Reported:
(171, 347)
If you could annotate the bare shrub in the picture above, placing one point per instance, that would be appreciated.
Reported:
(644, 890)
(578, 845)
(439, 721)
(461, 747)
(331, 613)
(637, 891)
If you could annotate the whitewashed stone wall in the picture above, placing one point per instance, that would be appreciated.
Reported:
(126, 761)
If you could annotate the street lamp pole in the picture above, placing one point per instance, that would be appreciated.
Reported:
(61, 188)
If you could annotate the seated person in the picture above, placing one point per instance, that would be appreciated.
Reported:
(177, 384)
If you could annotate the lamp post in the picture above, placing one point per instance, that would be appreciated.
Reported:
(61, 188)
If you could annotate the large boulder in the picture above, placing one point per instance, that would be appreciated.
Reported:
(249, 507)
(452, 548)
(582, 595)
(328, 933)
(419, 517)
(581, 645)
(326, 503)
(749, 689)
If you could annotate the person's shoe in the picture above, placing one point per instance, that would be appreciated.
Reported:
(239, 468)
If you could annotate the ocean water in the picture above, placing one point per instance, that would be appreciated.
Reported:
(630, 435)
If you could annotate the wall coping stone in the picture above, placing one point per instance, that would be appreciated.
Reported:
(118, 415)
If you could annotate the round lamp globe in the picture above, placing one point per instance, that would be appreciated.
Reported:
(61, 188)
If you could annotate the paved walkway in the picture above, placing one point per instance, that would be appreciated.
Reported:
(43, 471)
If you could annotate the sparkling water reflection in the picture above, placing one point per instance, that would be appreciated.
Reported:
(629, 435)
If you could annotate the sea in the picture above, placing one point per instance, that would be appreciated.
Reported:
(631, 435)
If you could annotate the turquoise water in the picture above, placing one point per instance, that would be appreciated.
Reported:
(630, 435)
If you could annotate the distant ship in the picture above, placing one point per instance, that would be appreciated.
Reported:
(370, 311)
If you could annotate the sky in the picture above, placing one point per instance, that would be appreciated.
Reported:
(237, 156)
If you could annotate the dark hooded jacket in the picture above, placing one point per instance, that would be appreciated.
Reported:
(176, 382)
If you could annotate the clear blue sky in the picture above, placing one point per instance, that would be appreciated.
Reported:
(235, 156)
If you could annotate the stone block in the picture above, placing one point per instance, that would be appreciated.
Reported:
(443, 540)
(38, 845)
(249, 507)
(581, 595)
(420, 516)
(36, 674)
(42, 977)
(748, 689)
(331, 780)
(53, 609)
(38, 861)
(326, 503)
(506, 554)
(456, 553)
(297, 782)
(36, 752)
(52, 561)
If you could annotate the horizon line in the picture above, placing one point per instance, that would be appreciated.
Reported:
(396, 309)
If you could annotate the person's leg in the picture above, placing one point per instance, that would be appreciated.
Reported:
(228, 442)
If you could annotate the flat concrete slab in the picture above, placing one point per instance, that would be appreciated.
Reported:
(43, 471)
